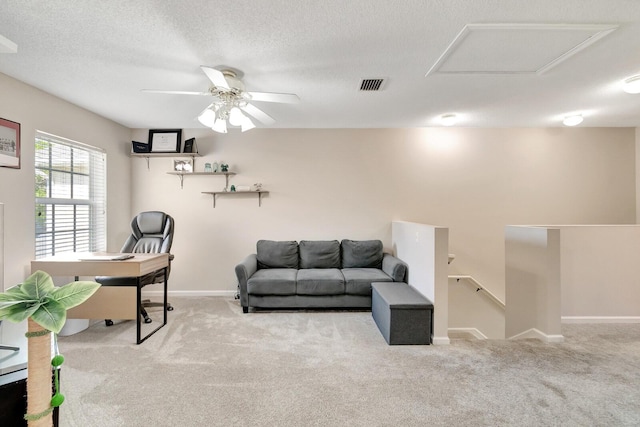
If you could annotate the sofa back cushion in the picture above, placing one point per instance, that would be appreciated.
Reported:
(319, 254)
(361, 253)
(273, 254)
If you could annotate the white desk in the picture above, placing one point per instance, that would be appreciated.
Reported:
(109, 302)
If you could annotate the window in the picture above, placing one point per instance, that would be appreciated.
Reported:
(70, 195)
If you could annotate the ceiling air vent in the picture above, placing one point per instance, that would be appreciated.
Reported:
(371, 84)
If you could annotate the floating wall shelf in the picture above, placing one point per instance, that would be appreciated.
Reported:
(230, 193)
(148, 155)
(181, 175)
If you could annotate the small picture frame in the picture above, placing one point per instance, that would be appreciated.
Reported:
(183, 165)
(9, 144)
(165, 140)
(190, 146)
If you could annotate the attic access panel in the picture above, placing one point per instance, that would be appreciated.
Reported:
(515, 48)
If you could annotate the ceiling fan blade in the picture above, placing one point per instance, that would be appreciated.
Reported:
(216, 77)
(288, 98)
(258, 114)
(175, 92)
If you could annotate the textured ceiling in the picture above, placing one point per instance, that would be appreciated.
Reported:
(100, 54)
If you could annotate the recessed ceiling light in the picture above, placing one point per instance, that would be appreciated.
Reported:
(632, 85)
(573, 120)
(448, 119)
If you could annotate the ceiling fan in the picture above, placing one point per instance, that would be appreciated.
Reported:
(231, 100)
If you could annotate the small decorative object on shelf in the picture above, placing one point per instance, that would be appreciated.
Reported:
(207, 167)
(190, 146)
(224, 167)
(183, 165)
(233, 188)
(139, 147)
(257, 186)
(215, 166)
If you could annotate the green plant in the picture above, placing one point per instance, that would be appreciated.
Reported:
(40, 301)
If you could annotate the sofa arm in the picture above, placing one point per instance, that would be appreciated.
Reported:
(244, 270)
(395, 268)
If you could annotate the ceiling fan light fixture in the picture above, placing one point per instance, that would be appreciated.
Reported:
(448, 119)
(573, 120)
(632, 85)
(236, 118)
(207, 118)
(220, 126)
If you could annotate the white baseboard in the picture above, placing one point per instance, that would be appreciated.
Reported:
(600, 319)
(441, 341)
(191, 293)
(473, 331)
(537, 334)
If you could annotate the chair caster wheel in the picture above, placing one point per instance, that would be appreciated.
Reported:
(108, 322)
(148, 320)
(169, 308)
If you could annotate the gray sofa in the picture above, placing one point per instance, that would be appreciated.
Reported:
(315, 274)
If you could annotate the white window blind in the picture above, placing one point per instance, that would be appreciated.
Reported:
(70, 195)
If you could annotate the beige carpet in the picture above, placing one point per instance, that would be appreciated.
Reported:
(212, 365)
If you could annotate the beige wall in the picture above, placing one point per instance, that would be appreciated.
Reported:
(637, 176)
(351, 183)
(36, 110)
(600, 273)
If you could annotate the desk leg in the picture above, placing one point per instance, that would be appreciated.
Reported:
(141, 340)
(165, 295)
(138, 311)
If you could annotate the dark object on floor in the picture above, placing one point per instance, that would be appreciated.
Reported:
(403, 315)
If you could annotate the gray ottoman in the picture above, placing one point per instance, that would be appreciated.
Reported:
(403, 315)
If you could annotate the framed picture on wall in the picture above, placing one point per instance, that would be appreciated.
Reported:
(9, 144)
(165, 140)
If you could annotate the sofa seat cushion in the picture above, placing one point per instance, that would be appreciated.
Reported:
(273, 281)
(320, 281)
(358, 280)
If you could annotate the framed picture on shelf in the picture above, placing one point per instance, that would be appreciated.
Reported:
(165, 140)
(190, 146)
(183, 165)
(9, 144)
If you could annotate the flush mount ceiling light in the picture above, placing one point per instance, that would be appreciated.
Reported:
(632, 84)
(448, 119)
(573, 120)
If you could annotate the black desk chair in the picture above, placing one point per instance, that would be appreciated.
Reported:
(151, 232)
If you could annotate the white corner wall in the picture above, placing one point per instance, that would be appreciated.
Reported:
(532, 269)
(425, 250)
